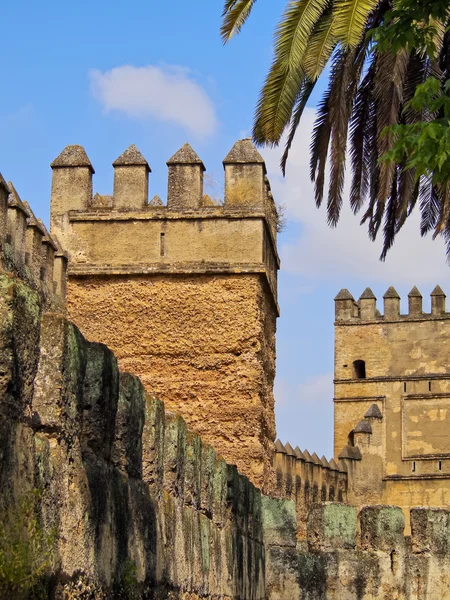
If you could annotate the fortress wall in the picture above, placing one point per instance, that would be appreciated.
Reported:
(404, 452)
(128, 499)
(202, 344)
(104, 494)
(28, 250)
(358, 556)
(307, 480)
(185, 293)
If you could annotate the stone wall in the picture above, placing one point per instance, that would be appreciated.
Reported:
(307, 479)
(355, 556)
(392, 397)
(130, 502)
(184, 293)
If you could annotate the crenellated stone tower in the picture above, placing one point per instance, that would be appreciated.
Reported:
(392, 399)
(185, 294)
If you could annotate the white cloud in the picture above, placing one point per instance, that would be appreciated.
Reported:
(167, 93)
(321, 253)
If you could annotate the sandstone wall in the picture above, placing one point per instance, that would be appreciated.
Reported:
(185, 293)
(204, 345)
(402, 455)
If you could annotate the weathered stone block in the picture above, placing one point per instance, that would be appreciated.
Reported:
(331, 526)
(430, 531)
(20, 313)
(153, 443)
(174, 455)
(100, 398)
(382, 528)
(193, 469)
(58, 390)
(127, 448)
(279, 522)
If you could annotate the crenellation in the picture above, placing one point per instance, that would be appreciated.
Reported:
(367, 305)
(35, 234)
(16, 230)
(185, 188)
(437, 301)
(131, 172)
(49, 249)
(391, 304)
(244, 177)
(414, 302)
(365, 309)
(71, 185)
(306, 479)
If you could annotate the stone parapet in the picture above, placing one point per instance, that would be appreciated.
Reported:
(348, 311)
(29, 251)
(306, 480)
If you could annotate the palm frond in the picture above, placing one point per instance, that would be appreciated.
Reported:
(360, 139)
(235, 13)
(351, 20)
(407, 195)
(294, 29)
(389, 80)
(319, 146)
(429, 205)
(276, 103)
(390, 219)
(301, 101)
(286, 75)
(320, 46)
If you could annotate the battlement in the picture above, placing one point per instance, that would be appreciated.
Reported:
(247, 188)
(29, 251)
(125, 233)
(365, 309)
(307, 479)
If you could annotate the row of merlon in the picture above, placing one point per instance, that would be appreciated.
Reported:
(296, 454)
(246, 183)
(28, 250)
(365, 309)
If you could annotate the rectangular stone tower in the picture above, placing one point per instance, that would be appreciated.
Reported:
(184, 294)
(392, 399)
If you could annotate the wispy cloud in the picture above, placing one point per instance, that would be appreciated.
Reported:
(167, 93)
(321, 253)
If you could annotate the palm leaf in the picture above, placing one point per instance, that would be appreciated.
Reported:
(351, 20)
(321, 45)
(235, 13)
(389, 80)
(276, 103)
(284, 81)
(293, 32)
(319, 146)
(360, 140)
(390, 217)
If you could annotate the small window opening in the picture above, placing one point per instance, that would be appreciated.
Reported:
(413, 466)
(161, 244)
(429, 386)
(404, 387)
(440, 465)
(359, 369)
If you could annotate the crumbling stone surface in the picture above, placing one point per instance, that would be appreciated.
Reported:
(207, 350)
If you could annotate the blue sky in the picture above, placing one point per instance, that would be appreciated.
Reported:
(107, 74)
